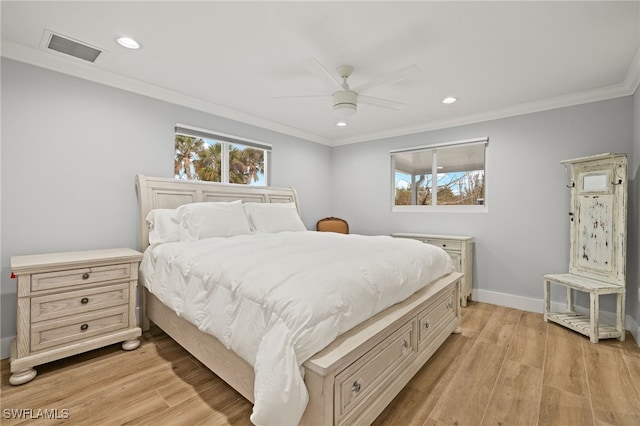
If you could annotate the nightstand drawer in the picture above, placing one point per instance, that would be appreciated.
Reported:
(445, 244)
(75, 302)
(73, 277)
(47, 334)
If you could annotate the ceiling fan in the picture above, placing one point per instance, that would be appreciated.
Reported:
(345, 99)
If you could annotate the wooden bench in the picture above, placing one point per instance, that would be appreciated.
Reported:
(588, 325)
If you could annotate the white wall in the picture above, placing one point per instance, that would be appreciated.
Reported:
(71, 149)
(525, 233)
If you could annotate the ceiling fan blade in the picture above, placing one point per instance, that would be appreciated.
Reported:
(301, 96)
(383, 103)
(316, 67)
(398, 75)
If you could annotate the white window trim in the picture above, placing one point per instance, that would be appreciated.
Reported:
(199, 132)
(437, 208)
(484, 140)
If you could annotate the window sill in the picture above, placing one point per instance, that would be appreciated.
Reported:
(439, 209)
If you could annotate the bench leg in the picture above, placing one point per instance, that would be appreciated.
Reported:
(620, 314)
(594, 320)
(547, 301)
(570, 304)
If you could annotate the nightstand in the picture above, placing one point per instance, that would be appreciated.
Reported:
(460, 249)
(70, 303)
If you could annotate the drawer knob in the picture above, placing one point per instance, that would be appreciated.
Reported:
(84, 327)
(84, 300)
(85, 276)
(355, 388)
(405, 347)
(449, 305)
(426, 325)
(444, 245)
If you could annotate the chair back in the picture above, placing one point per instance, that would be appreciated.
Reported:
(332, 224)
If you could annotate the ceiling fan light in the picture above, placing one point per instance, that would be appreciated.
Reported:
(345, 103)
(345, 110)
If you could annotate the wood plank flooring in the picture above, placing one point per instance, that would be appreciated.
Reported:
(507, 367)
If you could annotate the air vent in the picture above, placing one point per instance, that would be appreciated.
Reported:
(71, 47)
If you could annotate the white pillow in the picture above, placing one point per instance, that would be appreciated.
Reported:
(212, 219)
(164, 226)
(273, 217)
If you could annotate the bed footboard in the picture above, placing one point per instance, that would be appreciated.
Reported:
(352, 380)
(357, 376)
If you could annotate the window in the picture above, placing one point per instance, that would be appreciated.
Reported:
(446, 175)
(216, 157)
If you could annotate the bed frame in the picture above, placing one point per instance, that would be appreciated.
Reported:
(353, 379)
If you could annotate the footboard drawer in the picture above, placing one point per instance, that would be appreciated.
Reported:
(441, 311)
(366, 377)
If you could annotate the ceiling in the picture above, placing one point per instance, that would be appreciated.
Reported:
(233, 58)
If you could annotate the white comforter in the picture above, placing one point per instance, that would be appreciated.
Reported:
(277, 299)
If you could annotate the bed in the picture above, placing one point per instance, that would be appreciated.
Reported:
(353, 376)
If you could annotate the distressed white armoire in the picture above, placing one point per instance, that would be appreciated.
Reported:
(597, 263)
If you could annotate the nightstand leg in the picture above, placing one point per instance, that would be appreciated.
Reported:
(130, 345)
(23, 376)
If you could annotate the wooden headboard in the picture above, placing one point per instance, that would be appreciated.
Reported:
(167, 193)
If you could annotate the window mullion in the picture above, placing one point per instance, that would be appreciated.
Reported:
(414, 190)
(434, 178)
(224, 164)
(267, 166)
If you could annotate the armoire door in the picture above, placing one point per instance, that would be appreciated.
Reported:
(598, 229)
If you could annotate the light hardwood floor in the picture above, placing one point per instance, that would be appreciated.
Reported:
(507, 367)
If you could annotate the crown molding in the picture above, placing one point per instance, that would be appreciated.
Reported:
(632, 79)
(77, 68)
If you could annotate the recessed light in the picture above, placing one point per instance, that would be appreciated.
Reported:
(341, 124)
(449, 100)
(128, 42)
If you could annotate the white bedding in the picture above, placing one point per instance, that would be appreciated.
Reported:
(277, 299)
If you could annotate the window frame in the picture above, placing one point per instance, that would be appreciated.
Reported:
(448, 208)
(226, 141)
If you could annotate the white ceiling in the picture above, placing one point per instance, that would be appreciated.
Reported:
(231, 58)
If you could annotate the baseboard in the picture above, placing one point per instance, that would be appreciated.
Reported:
(5, 347)
(508, 300)
(633, 326)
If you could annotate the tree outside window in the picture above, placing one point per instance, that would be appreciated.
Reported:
(213, 160)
